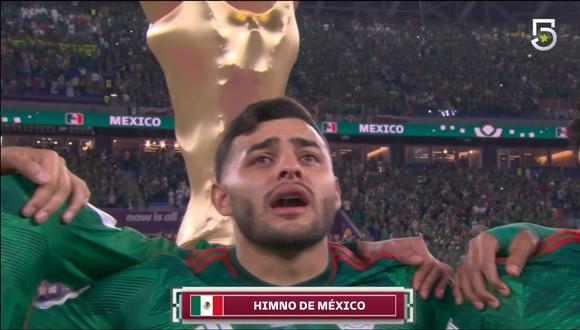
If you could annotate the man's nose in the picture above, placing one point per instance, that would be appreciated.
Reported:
(290, 168)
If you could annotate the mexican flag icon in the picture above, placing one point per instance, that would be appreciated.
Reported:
(207, 305)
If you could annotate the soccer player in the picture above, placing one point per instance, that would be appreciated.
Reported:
(276, 181)
(128, 249)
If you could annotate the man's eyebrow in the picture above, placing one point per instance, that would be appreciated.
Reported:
(301, 142)
(268, 143)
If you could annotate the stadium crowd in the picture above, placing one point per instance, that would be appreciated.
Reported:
(403, 68)
(123, 179)
(79, 51)
(448, 205)
(445, 204)
(86, 51)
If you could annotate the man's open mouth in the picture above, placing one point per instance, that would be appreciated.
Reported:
(290, 199)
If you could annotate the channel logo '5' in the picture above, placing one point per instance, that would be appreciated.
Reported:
(545, 35)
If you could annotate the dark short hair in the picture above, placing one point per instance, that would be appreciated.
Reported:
(254, 114)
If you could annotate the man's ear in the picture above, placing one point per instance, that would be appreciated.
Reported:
(338, 202)
(220, 199)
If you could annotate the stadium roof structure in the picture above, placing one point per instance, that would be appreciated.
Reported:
(484, 12)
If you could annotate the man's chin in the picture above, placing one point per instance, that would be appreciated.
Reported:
(291, 236)
(289, 243)
(294, 225)
(290, 212)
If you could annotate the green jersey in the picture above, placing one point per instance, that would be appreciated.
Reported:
(126, 278)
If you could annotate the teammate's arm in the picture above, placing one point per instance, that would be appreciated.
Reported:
(55, 182)
(88, 250)
(76, 254)
(517, 242)
(85, 250)
(430, 274)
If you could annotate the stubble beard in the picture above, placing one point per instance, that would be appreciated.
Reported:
(264, 235)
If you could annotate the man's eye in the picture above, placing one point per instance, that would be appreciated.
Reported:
(262, 160)
(310, 158)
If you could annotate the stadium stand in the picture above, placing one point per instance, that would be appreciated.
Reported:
(385, 68)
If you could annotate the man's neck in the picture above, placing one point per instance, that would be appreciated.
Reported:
(282, 269)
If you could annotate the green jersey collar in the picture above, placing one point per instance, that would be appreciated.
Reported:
(247, 279)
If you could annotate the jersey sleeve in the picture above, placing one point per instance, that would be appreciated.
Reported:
(138, 297)
(22, 255)
(505, 234)
(430, 313)
(544, 296)
(76, 254)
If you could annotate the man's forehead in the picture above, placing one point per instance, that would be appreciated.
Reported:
(282, 129)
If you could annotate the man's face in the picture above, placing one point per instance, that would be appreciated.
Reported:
(279, 186)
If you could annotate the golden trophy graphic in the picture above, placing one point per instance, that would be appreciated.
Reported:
(217, 57)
